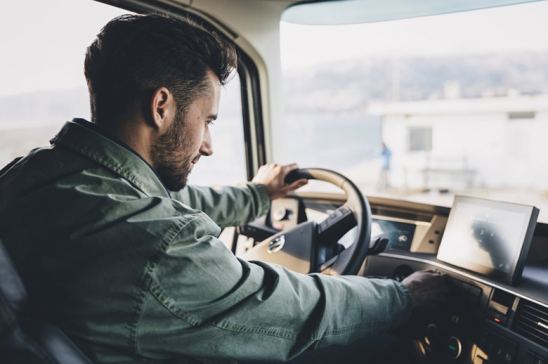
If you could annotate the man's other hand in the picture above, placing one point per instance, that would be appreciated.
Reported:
(427, 288)
(272, 176)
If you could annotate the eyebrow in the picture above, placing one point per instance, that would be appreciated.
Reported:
(212, 116)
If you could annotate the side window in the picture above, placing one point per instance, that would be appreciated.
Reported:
(227, 164)
(42, 83)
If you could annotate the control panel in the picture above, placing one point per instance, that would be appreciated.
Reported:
(481, 323)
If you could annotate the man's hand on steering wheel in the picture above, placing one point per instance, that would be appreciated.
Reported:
(272, 176)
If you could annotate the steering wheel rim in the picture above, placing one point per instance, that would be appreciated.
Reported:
(348, 261)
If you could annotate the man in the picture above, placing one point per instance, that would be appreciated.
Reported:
(386, 157)
(119, 252)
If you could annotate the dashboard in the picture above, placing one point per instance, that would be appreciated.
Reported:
(488, 319)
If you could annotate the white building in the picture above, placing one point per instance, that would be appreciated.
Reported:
(459, 143)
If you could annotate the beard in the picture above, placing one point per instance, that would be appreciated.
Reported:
(171, 157)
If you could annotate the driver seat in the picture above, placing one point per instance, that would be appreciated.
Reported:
(23, 338)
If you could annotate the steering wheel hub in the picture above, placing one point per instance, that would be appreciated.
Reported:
(275, 245)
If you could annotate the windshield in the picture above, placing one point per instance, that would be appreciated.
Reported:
(423, 109)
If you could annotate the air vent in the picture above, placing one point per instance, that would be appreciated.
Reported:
(531, 321)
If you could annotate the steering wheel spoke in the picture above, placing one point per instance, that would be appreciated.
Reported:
(336, 224)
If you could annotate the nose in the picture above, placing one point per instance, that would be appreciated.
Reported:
(206, 148)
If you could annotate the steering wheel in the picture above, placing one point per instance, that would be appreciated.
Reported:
(313, 247)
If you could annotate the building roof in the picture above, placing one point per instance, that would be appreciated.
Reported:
(490, 105)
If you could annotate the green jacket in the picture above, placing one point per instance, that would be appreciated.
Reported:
(133, 273)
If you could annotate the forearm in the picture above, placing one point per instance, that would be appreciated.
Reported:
(227, 206)
(358, 307)
(275, 314)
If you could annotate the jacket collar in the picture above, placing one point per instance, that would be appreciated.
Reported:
(85, 138)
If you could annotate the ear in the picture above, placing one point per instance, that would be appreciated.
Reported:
(162, 109)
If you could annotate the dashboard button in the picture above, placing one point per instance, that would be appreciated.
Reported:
(508, 357)
(507, 351)
(454, 348)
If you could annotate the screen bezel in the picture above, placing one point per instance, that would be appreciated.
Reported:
(520, 255)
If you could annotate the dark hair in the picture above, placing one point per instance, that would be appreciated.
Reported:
(134, 55)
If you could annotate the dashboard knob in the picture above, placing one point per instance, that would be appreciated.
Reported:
(454, 348)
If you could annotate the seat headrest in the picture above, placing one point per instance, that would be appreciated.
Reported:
(25, 339)
(11, 287)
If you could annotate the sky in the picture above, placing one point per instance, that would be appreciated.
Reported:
(53, 58)
(510, 28)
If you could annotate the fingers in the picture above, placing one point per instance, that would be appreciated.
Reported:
(272, 176)
(293, 186)
(289, 167)
(285, 168)
(296, 184)
(434, 272)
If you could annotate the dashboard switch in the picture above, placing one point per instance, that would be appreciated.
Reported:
(497, 317)
(454, 347)
(507, 351)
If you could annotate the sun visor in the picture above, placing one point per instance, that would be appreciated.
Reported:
(369, 11)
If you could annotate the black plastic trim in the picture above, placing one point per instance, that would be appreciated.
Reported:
(251, 105)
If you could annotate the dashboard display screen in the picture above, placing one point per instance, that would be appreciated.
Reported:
(488, 237)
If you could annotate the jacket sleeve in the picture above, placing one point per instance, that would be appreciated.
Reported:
(227, 206)
(202, 301)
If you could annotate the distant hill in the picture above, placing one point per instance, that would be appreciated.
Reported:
(44, 107)
(344, 86)
(347, 86)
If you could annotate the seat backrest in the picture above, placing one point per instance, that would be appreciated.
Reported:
(23, 338)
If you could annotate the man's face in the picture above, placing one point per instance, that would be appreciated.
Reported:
(188, 138)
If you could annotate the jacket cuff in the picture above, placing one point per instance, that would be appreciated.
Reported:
(408, 301)
(261, 196)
